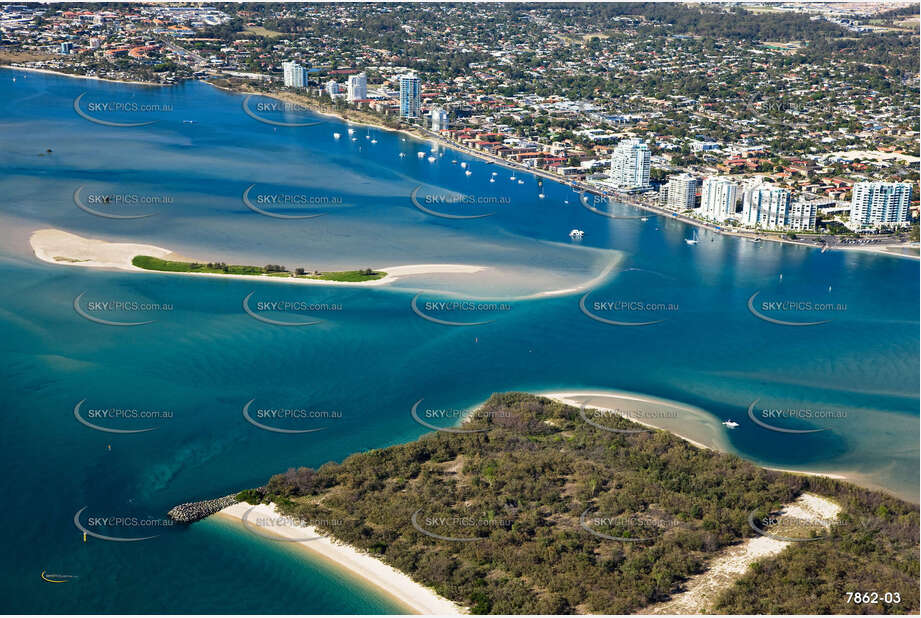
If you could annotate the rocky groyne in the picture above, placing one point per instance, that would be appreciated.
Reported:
(193, 511)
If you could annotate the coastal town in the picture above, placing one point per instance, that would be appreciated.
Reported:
(733, 118)
(477, 308)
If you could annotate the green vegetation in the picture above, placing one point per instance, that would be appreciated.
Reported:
(350, 275)
(272, 270)
(151, 263)
(540, 466)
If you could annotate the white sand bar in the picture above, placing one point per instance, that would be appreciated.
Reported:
(415, 596)
(60, 247)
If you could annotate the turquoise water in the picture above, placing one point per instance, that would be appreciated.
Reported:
(372, 358)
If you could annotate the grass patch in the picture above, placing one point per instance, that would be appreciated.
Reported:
(151, 263)
(352, 276)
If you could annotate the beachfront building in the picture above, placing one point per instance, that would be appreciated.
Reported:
(718, 198)
(439, 119)
(630, 165)
(682, 192)
(357, 87)
(295, 75)
(410, 95)
(880, 203)
(332, 88)
(765, 206)
(802, 215)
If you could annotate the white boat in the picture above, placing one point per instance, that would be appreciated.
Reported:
(495, 173)
(431, 159)
(402, 154)
(354, 139)
(521, 182)
(565, 201)
(467, 173)
(540, 195)
(373, 141)
(336, 136)
(576, 234)
(692, 241)
(421, 155)
(644, 218)
(731, 424)
(492, 180)
(512, 177)
(351, 131)
(463, 164)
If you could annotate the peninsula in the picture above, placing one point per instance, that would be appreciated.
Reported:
(534, 510)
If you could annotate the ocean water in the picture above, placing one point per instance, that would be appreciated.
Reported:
(369, 357)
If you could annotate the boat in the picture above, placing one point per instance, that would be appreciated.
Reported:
(521, 182)
(467, 173)
(565, 201)
(492, 180)
(351, 131)
(354, 139)
(512, 177)
(731, 424)
(464, 164)
(824, 248)
(431, 159)
(692, 241)
(336, 135)
(540, 195)
(189, 122)
(495, 173)
(576, 234)
(421, 155)
(402, 154)
(373, 141)
(644, 218)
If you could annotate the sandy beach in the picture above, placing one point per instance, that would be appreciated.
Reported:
(691, 424)
(414, 596)
(14, 67)
(60, 247)
(688, 423)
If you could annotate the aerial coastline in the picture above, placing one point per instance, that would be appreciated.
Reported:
(418, 599)
(356, 117)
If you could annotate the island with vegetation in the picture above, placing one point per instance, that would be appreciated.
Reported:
(543, 513)
(272, 270)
